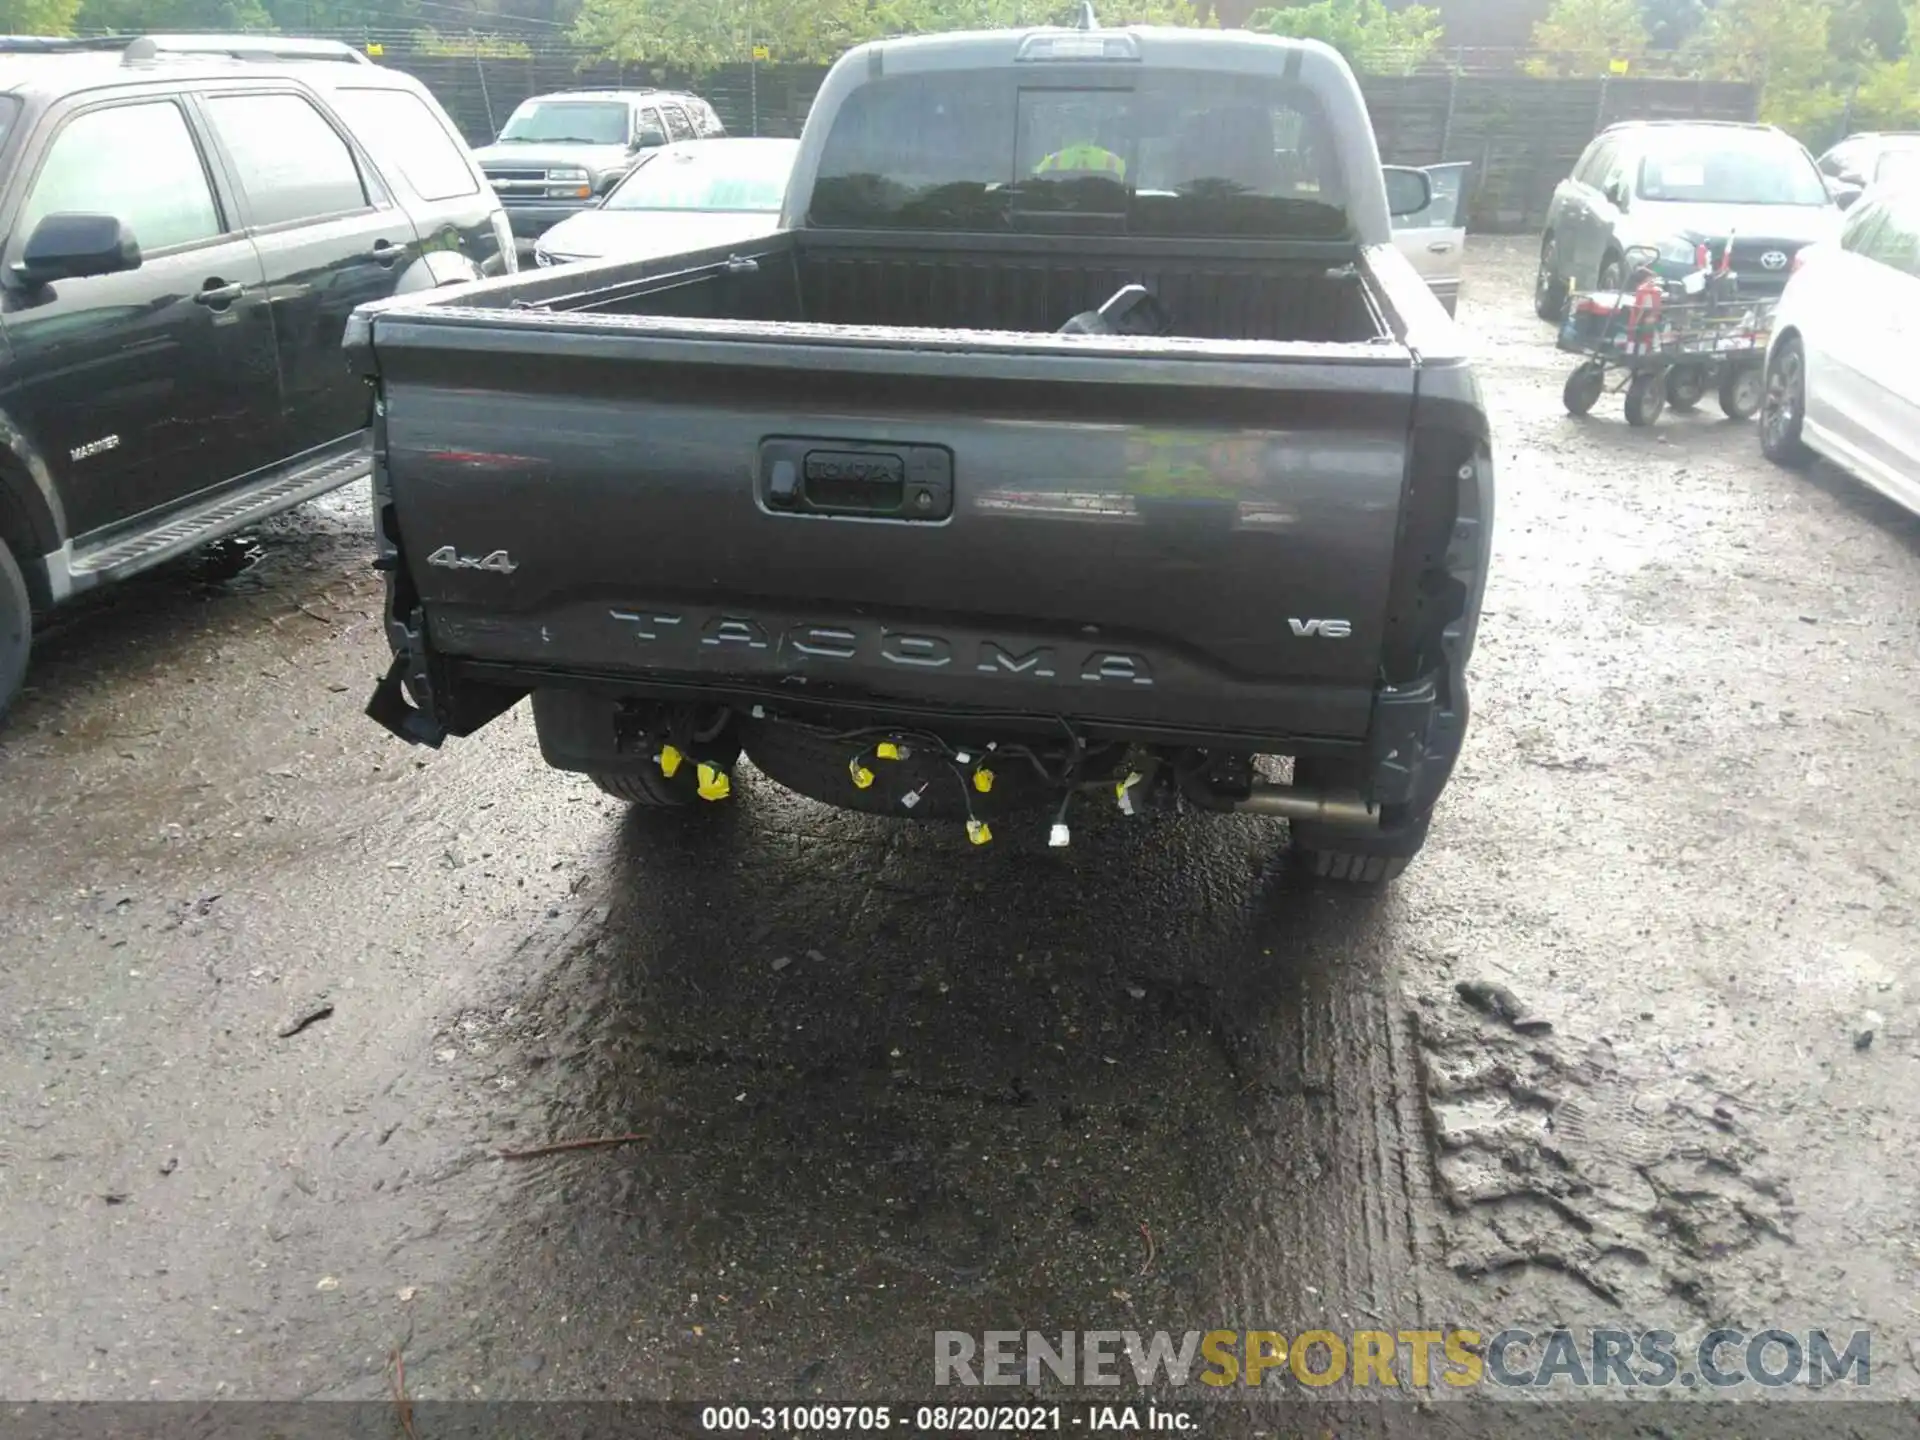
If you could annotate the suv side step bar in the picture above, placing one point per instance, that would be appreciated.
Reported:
(202, 519)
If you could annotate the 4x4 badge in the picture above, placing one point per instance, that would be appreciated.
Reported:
(448, 558)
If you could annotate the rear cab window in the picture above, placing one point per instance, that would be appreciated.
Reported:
(1170, 153)
(404, 135)
(289, 161)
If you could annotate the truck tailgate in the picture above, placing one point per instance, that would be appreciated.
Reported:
(1190, 536)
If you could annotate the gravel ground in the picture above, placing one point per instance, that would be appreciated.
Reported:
(277, 991)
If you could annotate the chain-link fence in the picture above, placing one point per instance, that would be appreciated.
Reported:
(480, 89)
(1521, 133)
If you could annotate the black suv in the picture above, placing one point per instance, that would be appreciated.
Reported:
(560, 154)
(187, 225)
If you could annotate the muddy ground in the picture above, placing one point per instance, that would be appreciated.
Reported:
(887, 1085)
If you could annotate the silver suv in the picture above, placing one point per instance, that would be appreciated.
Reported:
(1651, 191)
(560, 154)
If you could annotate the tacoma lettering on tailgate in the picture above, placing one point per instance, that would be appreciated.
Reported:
(882, 645)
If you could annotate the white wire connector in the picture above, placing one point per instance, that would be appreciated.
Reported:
(1059, 837)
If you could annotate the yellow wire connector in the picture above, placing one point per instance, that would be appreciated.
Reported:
(1120, 791)
(669, 761)
(979, 832)
(714, 784)
(983, 780)
(862, 776)
(887, 750)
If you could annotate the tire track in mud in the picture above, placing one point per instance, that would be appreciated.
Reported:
(1559, 1156)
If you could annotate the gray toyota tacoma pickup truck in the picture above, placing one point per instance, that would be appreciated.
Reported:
(1080, 440)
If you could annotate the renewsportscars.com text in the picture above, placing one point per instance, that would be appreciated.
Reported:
(1721, 1360)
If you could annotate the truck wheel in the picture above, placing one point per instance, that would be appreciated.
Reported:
(650, 790)
(1785, 407)
(1646, 399)
(1343, 857)
(16, 628)
(1345, 868)
(1686, 386)
(1743, 389)
(1584, 388)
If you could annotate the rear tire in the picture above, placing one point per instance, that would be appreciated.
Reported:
(1345, 857)
(1743, 390)
(1686, 387)
(1345, 868)
(648, 789)
(16, 628)
(1584, 388)
(1784, 410)
(1646, 399)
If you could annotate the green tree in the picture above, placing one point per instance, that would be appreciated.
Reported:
(1867, 30)
(1671, 23)
(1371, 36)
(135, 16)
(38, 17)
(1888, 97)
(1585, 37)
(700, 34)
(1783, 47)
(296, 16)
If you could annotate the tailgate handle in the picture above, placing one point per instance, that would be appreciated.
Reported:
(856, 478)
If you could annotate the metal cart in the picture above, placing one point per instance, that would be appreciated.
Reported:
(1668, 343)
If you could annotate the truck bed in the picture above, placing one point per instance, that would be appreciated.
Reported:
(1184, 536)
(1236, 293)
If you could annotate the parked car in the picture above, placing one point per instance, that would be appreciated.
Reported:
(848, 500)
(185, 236)
(685, 197)
(1435, 239)
(1841, 377)
(1662, 188)
(1861, 161)
(559, 154)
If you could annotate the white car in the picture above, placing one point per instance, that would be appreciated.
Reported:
(1842, 380)
(1433, 239)
(690, 196)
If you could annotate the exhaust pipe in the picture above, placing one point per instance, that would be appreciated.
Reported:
(1344, 808)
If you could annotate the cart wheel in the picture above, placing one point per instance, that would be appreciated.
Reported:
(1686, 386)
(1646, 398)
(1742, 391)
(1584, 388)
